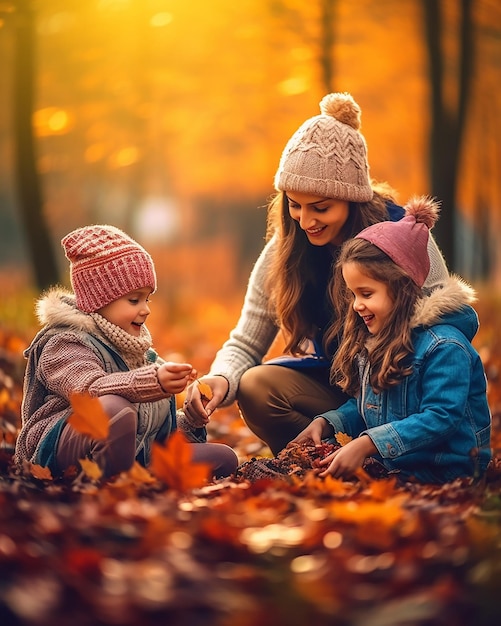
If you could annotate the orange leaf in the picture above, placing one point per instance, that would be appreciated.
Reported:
(363, 476)
(40, 472)
(4, 397)
(205, 390)
(89, 417)
(343, 438)
(383, 489)
(172, 463)
(91, 469)
(139, 474)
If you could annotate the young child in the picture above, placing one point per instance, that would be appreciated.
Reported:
(420, 404)
(95, 340)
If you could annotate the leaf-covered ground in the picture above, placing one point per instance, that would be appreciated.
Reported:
(279, 551)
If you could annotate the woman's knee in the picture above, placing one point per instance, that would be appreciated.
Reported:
(257, 390)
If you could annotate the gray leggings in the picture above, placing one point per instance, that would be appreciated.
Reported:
(278, 402)
(117, 453)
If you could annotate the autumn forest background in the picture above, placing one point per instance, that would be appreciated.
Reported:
(167, 118)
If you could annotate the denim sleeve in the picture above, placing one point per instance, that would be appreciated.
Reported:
(346, 419)
(446, 379)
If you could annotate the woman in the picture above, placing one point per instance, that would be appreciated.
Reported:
(325, 197)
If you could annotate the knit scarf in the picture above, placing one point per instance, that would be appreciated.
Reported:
(132, 349)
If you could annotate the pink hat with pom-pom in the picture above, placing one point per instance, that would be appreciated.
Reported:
(406, 241)
(327, 155)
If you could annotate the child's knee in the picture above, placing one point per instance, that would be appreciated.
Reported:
(219, 456)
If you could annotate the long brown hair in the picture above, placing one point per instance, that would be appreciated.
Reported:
(295, 264)
(388, 351)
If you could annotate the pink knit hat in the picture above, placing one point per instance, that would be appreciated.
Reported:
(406, 241)
(327, 155)
(105, 264)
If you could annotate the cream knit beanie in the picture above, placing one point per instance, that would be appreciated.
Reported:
(327, 155)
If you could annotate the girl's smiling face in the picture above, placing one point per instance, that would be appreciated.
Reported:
(322, 219)
(371, 298)
(130, 311)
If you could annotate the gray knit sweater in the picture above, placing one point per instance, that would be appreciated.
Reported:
(256, 329)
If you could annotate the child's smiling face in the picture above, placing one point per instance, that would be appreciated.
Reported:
(130, 311)
(371, 298)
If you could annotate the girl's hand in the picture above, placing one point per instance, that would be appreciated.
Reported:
(173, 377)
(314, 432)
(350, 457)
(198, 408)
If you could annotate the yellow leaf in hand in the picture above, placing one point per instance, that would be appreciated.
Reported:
(88, 418)
(205, 390)
(343, 438)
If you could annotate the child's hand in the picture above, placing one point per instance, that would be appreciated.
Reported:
(197, 408)
(173, 377)
(350, 457)
(314, 432)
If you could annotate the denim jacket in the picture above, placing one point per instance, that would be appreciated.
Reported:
(435, 425)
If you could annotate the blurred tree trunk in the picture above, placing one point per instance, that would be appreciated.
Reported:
(327, 20)
(447, 123)
(28, 183)
(320, 39)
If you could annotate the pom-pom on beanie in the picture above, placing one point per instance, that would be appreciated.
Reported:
(105, 264)
(327, 155)
(406, 241)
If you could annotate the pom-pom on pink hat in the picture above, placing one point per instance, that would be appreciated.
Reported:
(105, 264)
(327, 155)
(406, 241)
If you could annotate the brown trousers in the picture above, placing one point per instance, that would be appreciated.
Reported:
(278, 402)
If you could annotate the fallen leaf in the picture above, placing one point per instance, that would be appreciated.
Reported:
(343, 438)
(139, 474)
(40, 472)
(172, 464)
(91, 469)
(89, 417)
(363, 476)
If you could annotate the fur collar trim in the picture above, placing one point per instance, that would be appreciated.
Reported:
(57, 307)
(450, 298)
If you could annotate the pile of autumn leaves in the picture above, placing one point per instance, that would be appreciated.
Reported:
(166, 545)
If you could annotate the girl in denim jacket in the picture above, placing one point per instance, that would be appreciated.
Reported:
(420, 404)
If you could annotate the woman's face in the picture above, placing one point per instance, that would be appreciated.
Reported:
(322, 219)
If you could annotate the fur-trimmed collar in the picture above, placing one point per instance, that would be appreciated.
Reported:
(57, 307)
(448, 299)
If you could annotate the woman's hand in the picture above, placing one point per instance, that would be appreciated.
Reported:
(318, 429)
(173, 377)
(198, 408)
(346, 460)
